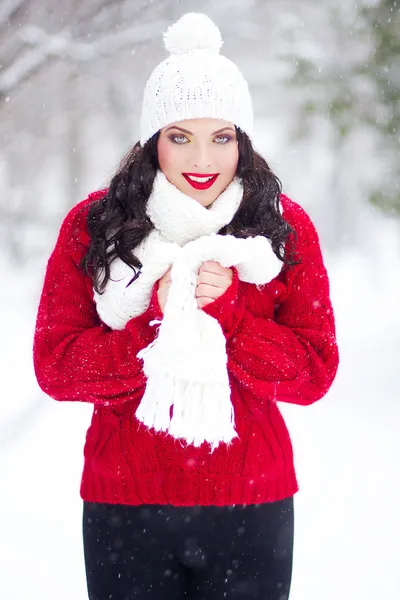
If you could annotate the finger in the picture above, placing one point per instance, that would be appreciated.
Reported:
(165, 285)
(211, 279)
(212, 267)
(166, 277)
(208, 291)
(204, 301)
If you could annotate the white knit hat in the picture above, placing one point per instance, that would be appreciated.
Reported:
(195, 81)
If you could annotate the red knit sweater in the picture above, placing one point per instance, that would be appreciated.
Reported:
(281, 347)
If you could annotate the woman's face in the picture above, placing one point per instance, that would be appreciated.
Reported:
(198, 149)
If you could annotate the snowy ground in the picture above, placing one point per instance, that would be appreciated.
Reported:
(347, 450)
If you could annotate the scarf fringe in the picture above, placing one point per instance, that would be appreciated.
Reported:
(187, 392)
(187, 410)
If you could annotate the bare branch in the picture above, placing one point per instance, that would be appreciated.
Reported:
(8, 10)
(64, 47)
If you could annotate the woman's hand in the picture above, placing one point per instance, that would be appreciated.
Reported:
(212, 281)
(163, 289)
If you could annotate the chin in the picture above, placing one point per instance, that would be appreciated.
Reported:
(201, 198)
(208, 197)
(206, 202)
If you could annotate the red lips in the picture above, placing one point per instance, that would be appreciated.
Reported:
(201, 186)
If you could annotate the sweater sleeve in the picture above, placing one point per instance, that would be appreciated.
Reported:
(292, 356)
(76, 356)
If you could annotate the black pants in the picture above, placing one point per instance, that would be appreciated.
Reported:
(158, 552)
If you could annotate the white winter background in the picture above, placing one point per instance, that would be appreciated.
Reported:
(71, 81)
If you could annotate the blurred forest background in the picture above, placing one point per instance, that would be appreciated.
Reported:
(325, 78)
(325, 81)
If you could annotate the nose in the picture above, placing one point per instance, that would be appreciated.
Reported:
(201, 159)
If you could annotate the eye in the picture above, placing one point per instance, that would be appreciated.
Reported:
(224, 139)
(178, 139)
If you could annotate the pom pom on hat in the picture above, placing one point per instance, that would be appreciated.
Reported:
(195, 81)
(193, 31)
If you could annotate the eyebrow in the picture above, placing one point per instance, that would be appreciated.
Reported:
(190, 133)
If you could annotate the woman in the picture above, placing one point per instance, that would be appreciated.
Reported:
(183, 302)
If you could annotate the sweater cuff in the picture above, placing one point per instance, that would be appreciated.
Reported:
(228, 309)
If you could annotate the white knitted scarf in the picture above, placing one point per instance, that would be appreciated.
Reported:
(187, 392)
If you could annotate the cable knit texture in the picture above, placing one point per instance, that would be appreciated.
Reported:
(281, 346)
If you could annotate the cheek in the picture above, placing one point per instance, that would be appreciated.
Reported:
(231, 160)
(235, 159)
(164, 155)
(169, 157)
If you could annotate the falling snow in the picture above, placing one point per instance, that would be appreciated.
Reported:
(61, 137)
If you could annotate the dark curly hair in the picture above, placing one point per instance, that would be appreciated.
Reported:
(117, 223)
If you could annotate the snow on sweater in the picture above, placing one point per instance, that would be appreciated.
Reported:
(281, 347)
